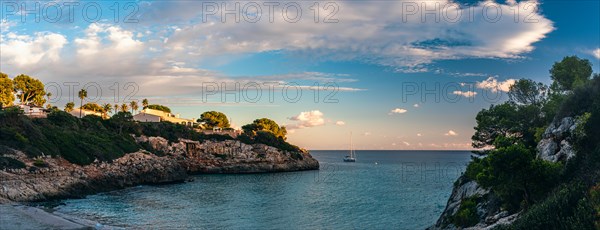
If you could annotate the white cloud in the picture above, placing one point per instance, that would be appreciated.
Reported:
(381, 32)
(406, 143)
(27, 51)
(416, 105)
(367, 133)
(451, 133)
(596, 53)
(458, 74)
(494, 85)
(340, 123)
(419, 135)
(308, 119)
(465, 94)
(397, 111)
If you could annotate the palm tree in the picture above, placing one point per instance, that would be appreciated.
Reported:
(69, 107)
(116, 108)
(82, 95)
(107, 108)
(124, 107)
(48, 95)
(134, 106)
(145, 103)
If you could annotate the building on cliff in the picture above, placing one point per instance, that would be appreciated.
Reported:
(153, 115)
(33, 111)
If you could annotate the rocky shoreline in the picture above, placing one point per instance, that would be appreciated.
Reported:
(165, 163)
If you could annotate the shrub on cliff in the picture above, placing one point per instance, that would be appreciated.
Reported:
(268, 138)
(466, 216)
(78, 141)
(10, 163)
(265, 124)
(568, 207)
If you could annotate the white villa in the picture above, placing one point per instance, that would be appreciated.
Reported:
(153, 115)
(33, 111)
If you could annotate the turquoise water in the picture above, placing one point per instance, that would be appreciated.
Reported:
(382, 190)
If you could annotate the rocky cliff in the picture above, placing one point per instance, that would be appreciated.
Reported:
(230, 156)
(554, 146)
(50, 178)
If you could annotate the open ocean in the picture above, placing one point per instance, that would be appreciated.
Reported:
(382, 190)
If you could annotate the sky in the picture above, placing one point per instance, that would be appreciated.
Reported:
(396, 75)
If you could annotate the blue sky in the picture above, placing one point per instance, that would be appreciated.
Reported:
(176, 50)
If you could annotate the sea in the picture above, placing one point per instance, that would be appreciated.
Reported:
(381, 190)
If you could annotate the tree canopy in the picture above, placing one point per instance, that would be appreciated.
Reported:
(213, 119)
(6, 91)
(512, 130)
(160, 107)
(69, 107)
(264, 124)
(570, 73)
(93, 107)
(29, 90)
(526, 91)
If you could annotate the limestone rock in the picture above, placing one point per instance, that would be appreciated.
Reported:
(555, 144)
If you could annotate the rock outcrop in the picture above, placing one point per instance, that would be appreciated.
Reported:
(167, 163)
(554, 146)
(556, 141)
(61, 179)
(231, 156)
(488, 208)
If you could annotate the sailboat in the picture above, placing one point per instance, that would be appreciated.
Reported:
(350, 158)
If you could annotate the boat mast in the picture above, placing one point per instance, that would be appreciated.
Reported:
(351, 147)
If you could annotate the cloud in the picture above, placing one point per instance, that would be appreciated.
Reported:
(419, 135)
(451, 133)
(469, 74)
(416, 105)
(596, 53)
(465, 94)
(308, 119)
(494, 85)
(376, 33)
(25, 51)
(367, 133)
(340, 123)
(397, 111)
(168, 56)
(406, 143)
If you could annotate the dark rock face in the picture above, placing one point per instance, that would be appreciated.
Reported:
(61, 179)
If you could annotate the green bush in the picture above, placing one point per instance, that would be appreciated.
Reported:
(566, 208)
(40, 163)
(515, 175)
(10, 163)
(466, 216)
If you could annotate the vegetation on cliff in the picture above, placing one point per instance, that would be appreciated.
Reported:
(549, 195)
(82, 141)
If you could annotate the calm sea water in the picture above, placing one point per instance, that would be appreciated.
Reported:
(382, 190)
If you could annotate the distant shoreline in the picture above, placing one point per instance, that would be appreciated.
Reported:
(403, 150)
